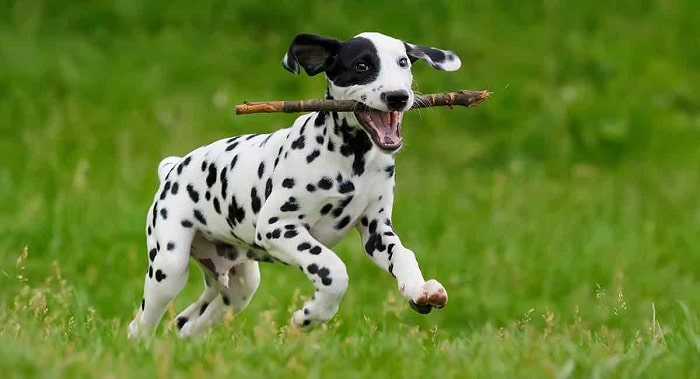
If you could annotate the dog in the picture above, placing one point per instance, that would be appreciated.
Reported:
(289, 196)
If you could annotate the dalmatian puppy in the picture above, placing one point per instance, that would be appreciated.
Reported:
(289, 196)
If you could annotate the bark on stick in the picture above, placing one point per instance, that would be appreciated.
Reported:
(465, 98)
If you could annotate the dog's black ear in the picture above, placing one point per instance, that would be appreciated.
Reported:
(444, 60)
(310, 52)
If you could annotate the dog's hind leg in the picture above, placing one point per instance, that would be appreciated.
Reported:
(189, 316)
(169, 244)
(244, 279)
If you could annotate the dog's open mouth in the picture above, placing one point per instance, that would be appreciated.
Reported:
(383, 127)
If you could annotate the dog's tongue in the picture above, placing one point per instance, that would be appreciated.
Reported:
(385, 127)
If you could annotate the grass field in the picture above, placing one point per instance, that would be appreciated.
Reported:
(562, 216)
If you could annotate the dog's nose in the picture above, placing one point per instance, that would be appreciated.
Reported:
(395, 100)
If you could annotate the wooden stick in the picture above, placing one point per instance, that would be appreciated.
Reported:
(463, 97)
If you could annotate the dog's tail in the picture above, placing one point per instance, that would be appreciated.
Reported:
(165, 166)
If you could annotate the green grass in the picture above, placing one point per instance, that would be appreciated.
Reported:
(562, 216)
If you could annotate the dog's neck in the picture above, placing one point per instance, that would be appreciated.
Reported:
(346, 136)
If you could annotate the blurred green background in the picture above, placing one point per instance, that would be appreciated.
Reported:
(573, 190)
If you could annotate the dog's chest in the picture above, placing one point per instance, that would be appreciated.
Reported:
(332, 214)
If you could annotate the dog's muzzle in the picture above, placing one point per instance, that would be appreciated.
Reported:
(383, 127)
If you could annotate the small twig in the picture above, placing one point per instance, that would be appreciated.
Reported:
(464, 97)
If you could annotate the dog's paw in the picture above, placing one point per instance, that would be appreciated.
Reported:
(430, 295)
(302, 321)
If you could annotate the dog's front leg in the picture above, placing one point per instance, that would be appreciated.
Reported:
(290, 242)
(384, 247)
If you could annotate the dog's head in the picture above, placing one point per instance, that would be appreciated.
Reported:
(373, 69)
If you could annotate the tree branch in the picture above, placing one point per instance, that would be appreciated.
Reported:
(463, 97)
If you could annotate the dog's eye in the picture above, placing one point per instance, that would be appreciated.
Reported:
(361, 67)
(403, 62)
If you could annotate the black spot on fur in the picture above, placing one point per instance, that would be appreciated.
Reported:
(149, 231)
(268, 188)
(343, 222)
(255, 200)
(164, 193)
(224, 183)
(143, 304)
(207, 195)
(288, 183)
(261, 170)
(181, 321)
(217, 206)
(390, 250)
(164, 213)
(291, 234)
(311, 157)
(204, 166)
(324, 274)
(326, 208)
(355, 143)
(298, 143)
(186, 223)
(316, 250)
(265, 140)
(160, 276)
(152, 254)
(154, 214)
(211, 177)
(150, 272)
(236, 214)
(310, 187)
(275, 234)
(390, 170)
(373, 227)
(273, 220)
(319, 139)
(341, 206)
(194, 195)
(346, 187)
(200, 217)
(364, 221)
(234, 161)
(225, 299)
(374, 243)
(325, 183)
(312, 268)
(290, 206)
(320, 119)
(170, 246)
(203, 308)
(303, 246)
(175, 187)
